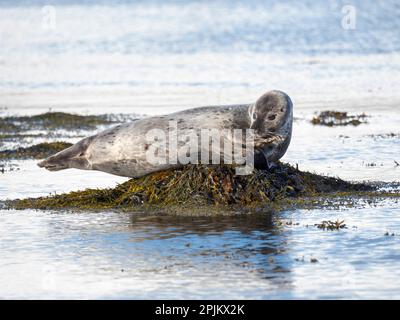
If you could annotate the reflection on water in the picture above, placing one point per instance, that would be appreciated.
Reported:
(119, 255)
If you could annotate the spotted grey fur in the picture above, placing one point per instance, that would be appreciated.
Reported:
(122, 150)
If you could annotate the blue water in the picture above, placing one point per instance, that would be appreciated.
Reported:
(172, 54)
(295, 27)
(153, 57)
(110, 255)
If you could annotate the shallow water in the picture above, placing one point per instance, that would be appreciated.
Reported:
(165, 56)
(114, 255)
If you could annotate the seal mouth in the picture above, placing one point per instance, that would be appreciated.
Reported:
(50, 167)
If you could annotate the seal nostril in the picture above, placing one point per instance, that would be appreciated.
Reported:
(272, 117)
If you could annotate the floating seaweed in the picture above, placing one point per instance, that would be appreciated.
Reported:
(337, 118)
(390, 135)
(331, 225)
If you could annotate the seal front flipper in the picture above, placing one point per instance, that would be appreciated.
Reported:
(270, 139)
(261, 161)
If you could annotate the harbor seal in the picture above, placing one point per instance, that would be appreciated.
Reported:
(122, 150)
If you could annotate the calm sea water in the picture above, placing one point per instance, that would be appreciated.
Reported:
(152, 57)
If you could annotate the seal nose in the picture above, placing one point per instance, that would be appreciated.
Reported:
(42, 164)
(45, 164)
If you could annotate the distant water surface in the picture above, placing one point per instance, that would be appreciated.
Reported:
(158, 56)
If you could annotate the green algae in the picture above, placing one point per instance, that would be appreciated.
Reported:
(200, 189)
(38, 151)
(337, 118)
(7, 126)
(53, 121)
(340, 200)
(54, 125)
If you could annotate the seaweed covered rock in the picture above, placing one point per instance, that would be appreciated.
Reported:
(51, 121)
(38, 151)
(199, 185)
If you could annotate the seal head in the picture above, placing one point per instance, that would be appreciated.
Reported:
(271, 119)
(75, 156)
